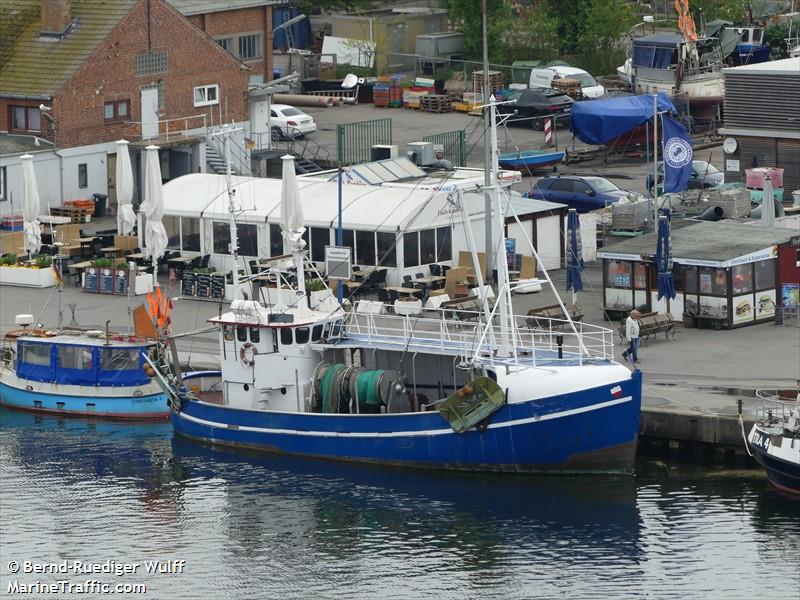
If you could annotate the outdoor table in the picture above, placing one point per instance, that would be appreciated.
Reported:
(181, 260)
(404, 291)
(363, 273)
(431, 280)
(111, 251)
(52, 220)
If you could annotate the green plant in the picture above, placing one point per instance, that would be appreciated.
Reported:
(202, 270)
(314, 285)
(43, 261)
(102, 263)
(10, 259)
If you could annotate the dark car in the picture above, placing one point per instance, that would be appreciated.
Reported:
(533, 104)
(704, 175)
(581, 193)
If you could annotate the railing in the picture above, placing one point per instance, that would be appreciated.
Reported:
(199, 122)
(240, 156)
(354, 141)
(777, 410)
(542, 346)
(295, 143)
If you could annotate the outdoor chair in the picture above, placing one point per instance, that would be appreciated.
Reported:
(380, 280)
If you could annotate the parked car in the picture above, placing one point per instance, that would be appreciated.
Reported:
(531, 105)
(287, 121)
(704, 175)
(581, 193)
(543, 77)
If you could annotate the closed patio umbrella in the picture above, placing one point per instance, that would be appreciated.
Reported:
(126, 218)
(30, 206)
(666, 285)
(155, 236)
(292, 221)
(768, 204)
(574, 254)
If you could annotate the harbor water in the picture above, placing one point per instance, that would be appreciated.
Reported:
(214, 524)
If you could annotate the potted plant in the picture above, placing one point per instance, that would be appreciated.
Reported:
(37, 274)
(317, 292)
(43, 261)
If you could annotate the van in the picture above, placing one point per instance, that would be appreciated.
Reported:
(544, 76)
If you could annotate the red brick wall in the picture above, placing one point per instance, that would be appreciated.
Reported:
(109, 74)
(5, 115)
(244, 20)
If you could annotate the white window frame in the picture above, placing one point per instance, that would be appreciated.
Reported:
(205, 89)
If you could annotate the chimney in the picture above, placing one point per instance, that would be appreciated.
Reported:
(56, 17)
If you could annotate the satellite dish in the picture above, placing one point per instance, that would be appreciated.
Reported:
(350, 81)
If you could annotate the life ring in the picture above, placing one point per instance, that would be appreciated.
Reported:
(247, 353)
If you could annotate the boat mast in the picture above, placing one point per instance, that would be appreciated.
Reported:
(226, 133)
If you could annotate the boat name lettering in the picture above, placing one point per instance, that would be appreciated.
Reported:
(761, 440)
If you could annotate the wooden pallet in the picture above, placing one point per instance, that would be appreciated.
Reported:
(436, 103)
(76, 215)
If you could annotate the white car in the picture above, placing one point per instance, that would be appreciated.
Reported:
(544, 76)
(287, 121)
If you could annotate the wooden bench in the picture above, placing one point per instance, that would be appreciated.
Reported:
(539, 318)
(651, 324)
(463, 309)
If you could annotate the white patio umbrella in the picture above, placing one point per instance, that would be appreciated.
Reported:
(155, 236)
(126, 218)
(30, 206)
(768, 204)
(291, 211)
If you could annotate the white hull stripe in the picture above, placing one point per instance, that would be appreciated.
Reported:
(390, 434)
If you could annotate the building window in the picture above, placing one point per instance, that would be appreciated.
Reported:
(444, 247)
(275, 240)
(250, 46)
(151, 62)
(387, 257)
(226, 43)
(319, 239)
(765, 274)
(190, 234)
(247, 237)
(206, 95)
(25, 118)
(365, 248)
(83, 176)
(427, 246)
(116, 110)
(411, 249)
(3, 185)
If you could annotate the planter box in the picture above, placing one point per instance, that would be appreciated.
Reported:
(26, 277)
(407, 307)
(318, 297)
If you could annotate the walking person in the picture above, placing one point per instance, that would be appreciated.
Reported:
(632, 336)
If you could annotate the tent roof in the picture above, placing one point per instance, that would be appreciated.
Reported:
(385, 207)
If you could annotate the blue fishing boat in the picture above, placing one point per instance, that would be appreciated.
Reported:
(531, 159)
(774, 440)
(426, 391)
(79, 373)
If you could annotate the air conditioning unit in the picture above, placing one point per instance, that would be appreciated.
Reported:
(420, 153)
(383, 152)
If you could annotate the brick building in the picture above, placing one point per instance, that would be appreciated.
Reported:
(133, 69)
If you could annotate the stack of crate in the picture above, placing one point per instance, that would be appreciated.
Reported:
(381, 92)
(491, 84)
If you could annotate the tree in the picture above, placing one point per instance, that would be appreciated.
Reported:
(468, 17)
(775, 37)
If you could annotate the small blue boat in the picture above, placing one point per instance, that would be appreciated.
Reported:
(531, 159)
(79, 373)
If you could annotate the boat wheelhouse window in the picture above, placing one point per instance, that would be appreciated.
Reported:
(255, 335)
(173, 228)
(365, 248)
(765, 274)
(241, 333)
(227, 333)
(316, 333)
(427, 246)
(411, 249)
(336, 328)
(247, 236)
(119, 359)
(74, 357)
(745, 36)
(275, 240)
(319, 239)
(387, 250)
(222, 237)
(444, 245)
(301, 335)
(36, 354)
(286, 336)
(190, 234)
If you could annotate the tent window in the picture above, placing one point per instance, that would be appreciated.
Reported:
(387, 255)
(319, 239)
(427, 246)
(119, 359)
(411, 249)
(365, 247)
(349, 240)
(222, 237)
(444, 245)
(36, 354)
(275, 240)
(248, 239)
(172, 227)
(190, 234)
(74, 357)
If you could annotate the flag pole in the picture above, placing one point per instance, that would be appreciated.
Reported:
(655, 161)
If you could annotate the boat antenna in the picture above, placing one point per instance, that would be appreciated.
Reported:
(226, 131)
(487, 125)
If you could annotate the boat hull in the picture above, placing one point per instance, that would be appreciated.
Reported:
(782, 463)
(520, 161)
(588, 431)
(95, 402)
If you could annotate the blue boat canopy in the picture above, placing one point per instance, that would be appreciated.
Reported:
(600, 121)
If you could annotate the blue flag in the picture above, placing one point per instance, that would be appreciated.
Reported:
(677, 156)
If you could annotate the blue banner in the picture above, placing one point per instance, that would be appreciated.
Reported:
(677, 156)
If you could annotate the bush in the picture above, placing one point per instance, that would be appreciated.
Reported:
(43, 261)
(9, 259)
(314, 285)
(103, 263)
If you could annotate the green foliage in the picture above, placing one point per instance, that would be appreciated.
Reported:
(775, 37)
(467, 16)
(9, 259)
(729, 10)
(103, 263)
(314, 285)
(202, 270)
(314, 7)
(42, 261)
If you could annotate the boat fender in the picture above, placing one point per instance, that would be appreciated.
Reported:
(247, 353)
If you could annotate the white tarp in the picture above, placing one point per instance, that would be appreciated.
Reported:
(30, 206)
(155, 236)
(126, 218)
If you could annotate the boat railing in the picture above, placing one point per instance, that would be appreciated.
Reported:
(551, 341)
(775, 407)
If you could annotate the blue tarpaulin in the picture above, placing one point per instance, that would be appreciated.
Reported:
(600, 121)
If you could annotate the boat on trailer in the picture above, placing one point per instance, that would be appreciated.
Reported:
(482, 394)
(531, 159)
(774, 440)
(79, 373)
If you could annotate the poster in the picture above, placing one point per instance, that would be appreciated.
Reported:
(511, 253)
(765, 304)
(705, 283)
(716, 308)
(790, 294)
(743, 309)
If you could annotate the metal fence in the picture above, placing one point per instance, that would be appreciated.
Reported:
(454, 144)
(354, 141)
